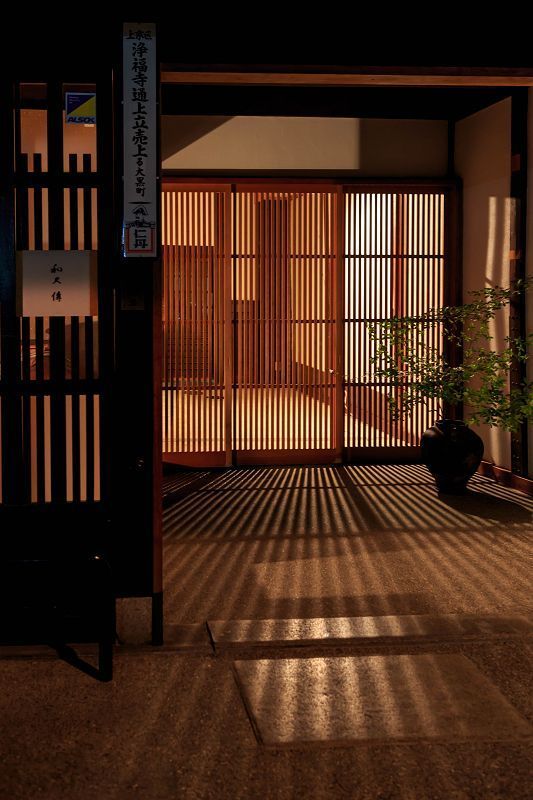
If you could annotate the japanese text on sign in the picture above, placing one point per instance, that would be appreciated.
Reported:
(57, 283)
(140, 137)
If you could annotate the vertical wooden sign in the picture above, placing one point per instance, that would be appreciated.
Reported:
(139, 229)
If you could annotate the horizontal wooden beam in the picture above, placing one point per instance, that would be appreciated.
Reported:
(209, 184)
(495, 78)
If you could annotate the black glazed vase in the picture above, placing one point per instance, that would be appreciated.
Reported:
(452, 452)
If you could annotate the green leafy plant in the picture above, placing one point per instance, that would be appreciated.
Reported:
(446, 354)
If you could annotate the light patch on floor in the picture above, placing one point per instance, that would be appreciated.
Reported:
(332, 630)
(398, 697)
(326, 575)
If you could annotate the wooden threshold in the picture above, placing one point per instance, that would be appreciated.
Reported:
(207, 459)
(506, 478)
(284, 457)
(382, 455)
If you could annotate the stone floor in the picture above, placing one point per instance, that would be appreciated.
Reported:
(176, 726)
(365, 639)
(298, 542)
(375, 699)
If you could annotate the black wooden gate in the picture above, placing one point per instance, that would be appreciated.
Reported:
(76, 393)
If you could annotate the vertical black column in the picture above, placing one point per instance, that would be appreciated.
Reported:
(107, 224)
(12, 465)
(136, 401)
(57, 324)
(453, 276)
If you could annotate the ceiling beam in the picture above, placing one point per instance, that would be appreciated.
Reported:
(497, 77)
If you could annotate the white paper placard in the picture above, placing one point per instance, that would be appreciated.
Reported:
(139, 232)
(57, 283)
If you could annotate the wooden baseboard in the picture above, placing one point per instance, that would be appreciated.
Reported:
(506, 478)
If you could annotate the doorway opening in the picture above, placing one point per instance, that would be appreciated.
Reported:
(267, 291)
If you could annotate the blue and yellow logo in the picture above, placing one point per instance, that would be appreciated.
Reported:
(80, 108)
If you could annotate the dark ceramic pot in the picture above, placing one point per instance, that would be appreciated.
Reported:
(452, 452)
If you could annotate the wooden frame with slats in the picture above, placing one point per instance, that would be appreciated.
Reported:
(268, 286)
(55, 376)
(80, 455)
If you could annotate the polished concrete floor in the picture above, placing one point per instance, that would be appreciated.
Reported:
(444, 709)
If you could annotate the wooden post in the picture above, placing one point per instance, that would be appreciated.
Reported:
(517, 259)
(339, 312)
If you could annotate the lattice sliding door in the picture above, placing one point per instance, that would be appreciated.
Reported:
(267, 294)
(394, 266)
(197, 339)
(284, 295)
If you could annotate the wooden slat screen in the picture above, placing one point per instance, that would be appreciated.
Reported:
(60, 350)
(52, 396)
(194, 320)
(394, 266)
(267, 292)
(284, 317)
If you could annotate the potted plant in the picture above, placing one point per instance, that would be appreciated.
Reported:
(462, 371)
